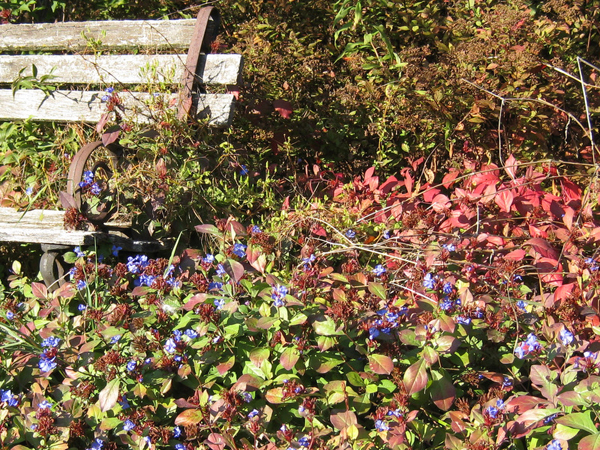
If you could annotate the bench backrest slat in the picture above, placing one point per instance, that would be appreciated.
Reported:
(173, 35)
(87, 106)
(116, 70)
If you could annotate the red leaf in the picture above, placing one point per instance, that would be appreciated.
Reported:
(415, 377)
(284, 108)
(510, 166)
(563, 292)
(448, 180)
(550, 271)
(234, 269)
(234, 89)
(102, 122)
(542, 247)
(389, 184)
(111, 135)
(343, 420)
(440, 203)
(504, 199)
(443, 393)
(515, 255)
(381, 364)
(215, 441)
(198, 298)
(39, 290)
(570, 191)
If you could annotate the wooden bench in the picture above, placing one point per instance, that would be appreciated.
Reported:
(86, 58)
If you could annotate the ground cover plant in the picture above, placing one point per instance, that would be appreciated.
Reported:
(396, 245)
(386, 314)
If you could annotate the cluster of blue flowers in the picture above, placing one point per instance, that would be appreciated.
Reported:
(239, 250)
(88, 184)
(566, 337)
(97, 444)
(109, 91)
(136, 264)
(6, 396)
(493, 411)
(388, 321)
(278, 295)
(171, 343)
(527, 347)
(379, 270)
(48, 357)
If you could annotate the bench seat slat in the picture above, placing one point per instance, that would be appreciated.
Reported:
(87, 106)
(121, 69)
(118, 35)
(46, 227)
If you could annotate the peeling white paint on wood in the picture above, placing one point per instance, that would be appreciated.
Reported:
(77, 36)
(87, 106)
(117, 70)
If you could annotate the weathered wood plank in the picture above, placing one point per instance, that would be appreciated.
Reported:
(45, 218)
(121, 69)
(117, 35)
(46, 227)
(87, 106)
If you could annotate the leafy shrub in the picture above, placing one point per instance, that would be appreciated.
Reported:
(395, 314)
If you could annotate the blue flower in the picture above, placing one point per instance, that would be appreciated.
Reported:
(81, 307)
(554, 445)
(243, 170)
(81, 285)
(429, 281)
(51, 341)
(521, 305)
(6, 396)
(253, 413)
(115, 339)
(209, 259)
(180, 447)
(492, 411)
(247, 397)
(97, 444)
(145, 280)
(373, 333)
(177, 432)
(10, 315)
(256, 229)
(170, 346)
(29, 190)
(219, 303)
(215, 285)
(379, 270)
(566, 336)
(463, 320)
(350, 234)
(447, 288)
(78, 252)
(110, 90)
(131, 365)
(95, 189)
(177, 335)
(446, 304)
(220, 270)
(380, 425)
(192, 334)
(278, 295)
(115, 250)
(124, 403)
(449, 247)
(304, 441)
(45, 405)
(47, 365)
(128, 425)
(239, 250)
(387, 234)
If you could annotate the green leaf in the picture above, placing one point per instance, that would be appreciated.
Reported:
(378, 290)
(381, 364)
(289, 358)
(325, 326)
(443, 393)
(189, 417)
(563, 432)
(109, 395)
(580, 421)
(259, 356)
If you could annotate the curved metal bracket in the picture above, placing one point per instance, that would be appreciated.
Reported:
(76, 171)
(201, 42)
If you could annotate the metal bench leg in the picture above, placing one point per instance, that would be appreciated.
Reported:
(52, 265)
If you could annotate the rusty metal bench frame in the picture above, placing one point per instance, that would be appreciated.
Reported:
(199, 69)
